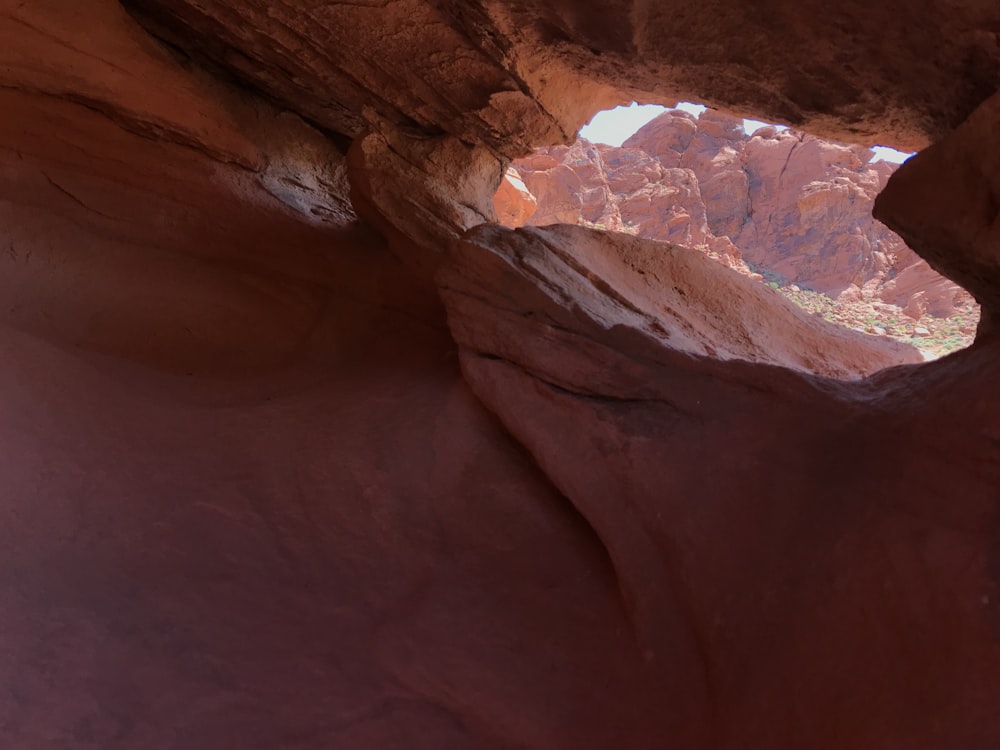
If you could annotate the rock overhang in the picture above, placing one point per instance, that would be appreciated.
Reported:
(346, 540)
(509, 78)
(526, 75)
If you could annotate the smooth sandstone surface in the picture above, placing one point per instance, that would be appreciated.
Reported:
(297, 453)
(658, 291)
(946, 204)
(827, 652)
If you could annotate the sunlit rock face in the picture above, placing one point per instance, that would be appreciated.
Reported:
(301, 451)
(514, 204)
(790, 203)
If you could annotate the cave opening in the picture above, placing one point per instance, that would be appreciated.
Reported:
(787, 209)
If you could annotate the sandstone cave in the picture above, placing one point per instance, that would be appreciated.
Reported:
(304, 449)
(787, 209)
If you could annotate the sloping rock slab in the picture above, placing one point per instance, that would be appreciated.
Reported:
(803, 561)
(677, 297)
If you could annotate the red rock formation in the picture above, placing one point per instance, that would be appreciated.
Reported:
(792, 204)
(297, 454)
(529, 75)
(951, 219)
(513, 203)
(920, 288)
(660, 292)
(633, 416)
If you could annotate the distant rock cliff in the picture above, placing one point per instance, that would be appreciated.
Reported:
(795, 206)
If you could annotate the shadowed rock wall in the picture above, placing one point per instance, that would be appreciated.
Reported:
(298, 453)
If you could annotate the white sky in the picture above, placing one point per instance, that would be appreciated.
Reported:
(615, 126)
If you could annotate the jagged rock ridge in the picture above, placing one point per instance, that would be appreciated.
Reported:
(790, 203)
